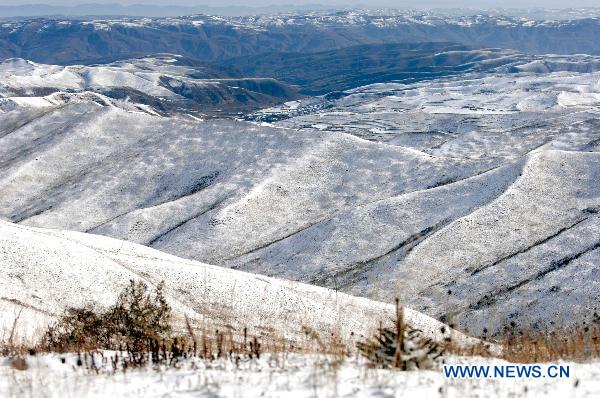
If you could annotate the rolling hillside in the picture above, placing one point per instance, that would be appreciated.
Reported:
(163, 84)
(462, 195)
(47, 271)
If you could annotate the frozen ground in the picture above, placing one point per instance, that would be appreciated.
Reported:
(280, 375)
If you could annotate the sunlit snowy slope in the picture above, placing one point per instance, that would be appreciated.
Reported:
(44, 272)
(475, 199)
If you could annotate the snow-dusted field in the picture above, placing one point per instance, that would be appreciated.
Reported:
(499, 115)
(280, 375)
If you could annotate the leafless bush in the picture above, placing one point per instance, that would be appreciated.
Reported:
(137, 327)
(137, 320)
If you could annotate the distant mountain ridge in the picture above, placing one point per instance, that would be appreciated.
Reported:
(216, 39)
(356, 66)
(165, 84)
(143, 10)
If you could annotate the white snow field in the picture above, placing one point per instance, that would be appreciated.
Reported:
(471, 116)
(474, 199)
(23, 80)
(280, 375)
(20, 75)
(45, 272)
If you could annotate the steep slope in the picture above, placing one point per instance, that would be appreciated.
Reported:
(44, 272)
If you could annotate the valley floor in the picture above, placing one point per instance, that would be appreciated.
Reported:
(277, 375)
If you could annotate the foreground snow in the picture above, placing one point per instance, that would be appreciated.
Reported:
(280, 375)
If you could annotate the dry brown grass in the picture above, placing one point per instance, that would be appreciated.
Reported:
(138, 342)
(577, 344)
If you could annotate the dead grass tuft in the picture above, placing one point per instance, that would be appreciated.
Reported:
(578, 344)
(19, 363)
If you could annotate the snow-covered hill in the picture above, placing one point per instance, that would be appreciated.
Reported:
(518, 253)
(162, 84)
(46, 271)
(507, 113)
(470, 215)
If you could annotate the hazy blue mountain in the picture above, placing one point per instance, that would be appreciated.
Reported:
(215, 39)
(144, 10)
(356, 66)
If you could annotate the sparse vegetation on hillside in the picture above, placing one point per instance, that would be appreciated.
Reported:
(405, 348)
(576, 344)
(138, 330)
(138, 327)
(138, 318)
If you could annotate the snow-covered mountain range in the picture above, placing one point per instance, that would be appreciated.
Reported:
(214, 38)
(474, 198)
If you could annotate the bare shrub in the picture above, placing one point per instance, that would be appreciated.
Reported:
(78, 329)
(137, 328)
(138, 319)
